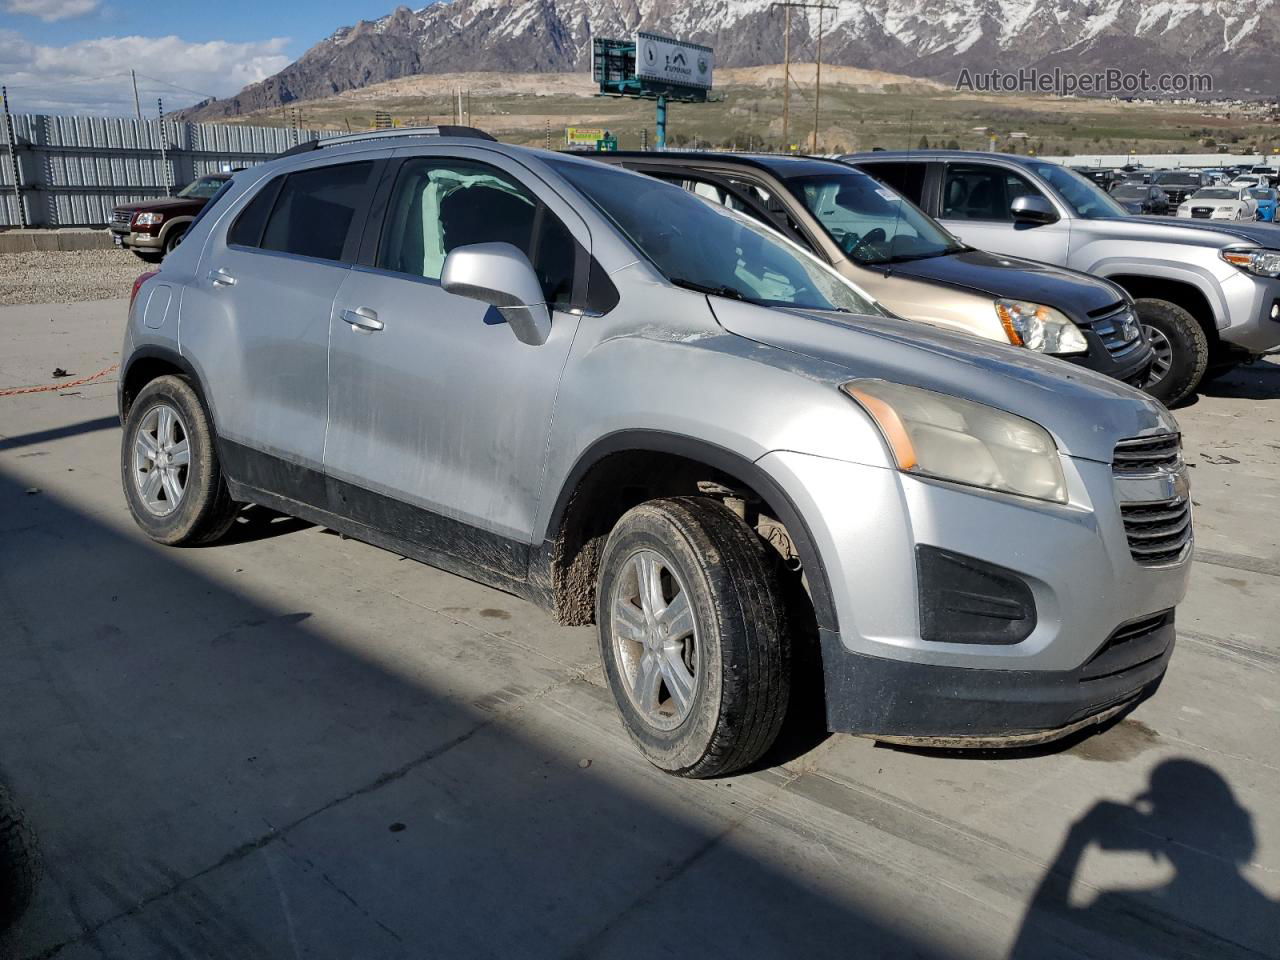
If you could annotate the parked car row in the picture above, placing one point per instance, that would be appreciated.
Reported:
(683, 402)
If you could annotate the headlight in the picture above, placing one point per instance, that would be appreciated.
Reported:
(1263, 263)
(148, 219)
(1037, 327)
(962, 441)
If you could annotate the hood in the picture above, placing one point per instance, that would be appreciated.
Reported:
(1085, 411)
(1206, 233)
(165, 205)
(1076, 294)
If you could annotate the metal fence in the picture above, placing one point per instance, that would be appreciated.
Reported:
(71, 171)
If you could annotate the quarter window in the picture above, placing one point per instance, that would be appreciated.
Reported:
(981, 192)
(316, 210)
(440, 205)
(906, 179)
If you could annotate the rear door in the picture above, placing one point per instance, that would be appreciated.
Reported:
(976, 206)
(433, 402)
(256, 319)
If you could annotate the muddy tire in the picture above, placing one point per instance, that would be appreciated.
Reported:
(693, 636)
(169, 466)
(20, 864)
(1181, 348)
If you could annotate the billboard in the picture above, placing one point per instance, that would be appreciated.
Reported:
(673, 61)
(584, 136)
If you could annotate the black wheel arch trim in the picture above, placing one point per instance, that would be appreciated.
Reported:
(726, 461)
(168, 355)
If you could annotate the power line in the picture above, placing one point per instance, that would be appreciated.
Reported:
(178, 86)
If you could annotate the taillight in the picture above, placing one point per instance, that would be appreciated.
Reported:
(137, 285)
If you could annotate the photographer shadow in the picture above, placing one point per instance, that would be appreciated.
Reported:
(1189, 819)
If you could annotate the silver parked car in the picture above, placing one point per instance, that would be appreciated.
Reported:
(634, 407)
(1207, 292)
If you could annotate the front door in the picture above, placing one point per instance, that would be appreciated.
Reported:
(433, 402)
(976, 206)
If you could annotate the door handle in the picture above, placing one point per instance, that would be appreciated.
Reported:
(221, 278)
(362, 318)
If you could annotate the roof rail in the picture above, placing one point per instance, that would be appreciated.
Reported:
(440, 130)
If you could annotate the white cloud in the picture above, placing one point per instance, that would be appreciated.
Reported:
(92, 76)
(51, 10)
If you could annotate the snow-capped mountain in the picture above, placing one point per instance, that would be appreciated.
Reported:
(1235, 41)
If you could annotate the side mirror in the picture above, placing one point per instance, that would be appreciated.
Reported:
(500, 274)
(1033, 210)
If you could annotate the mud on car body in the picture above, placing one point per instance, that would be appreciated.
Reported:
(636, 408)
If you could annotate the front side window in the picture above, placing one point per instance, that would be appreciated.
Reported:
(870, 222)
(315, 210)
(981, 192)
(438, 205)
(707, 247)
(904, 178)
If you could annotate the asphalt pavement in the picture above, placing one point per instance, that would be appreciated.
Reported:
(296, 745)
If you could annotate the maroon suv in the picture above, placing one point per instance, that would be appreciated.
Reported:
(151, 228)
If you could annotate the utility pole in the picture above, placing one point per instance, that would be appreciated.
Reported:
(12, 138)
(164, 151)
(137, 104)
(821, 6)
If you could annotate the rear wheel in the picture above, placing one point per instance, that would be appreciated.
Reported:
(169, 466)
(1180, 346)
(692, 632)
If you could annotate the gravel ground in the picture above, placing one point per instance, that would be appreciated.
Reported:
(67, 276)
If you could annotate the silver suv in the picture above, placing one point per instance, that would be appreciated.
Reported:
(1208, 292)
(634, 407)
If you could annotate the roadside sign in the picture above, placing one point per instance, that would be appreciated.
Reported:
(673, 61)
(584, 136)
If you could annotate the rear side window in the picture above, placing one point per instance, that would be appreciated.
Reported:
(905, 178)
(439, 205)
(316, 209)
(247, 229)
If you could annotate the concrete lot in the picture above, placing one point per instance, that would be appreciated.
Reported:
(297, 745)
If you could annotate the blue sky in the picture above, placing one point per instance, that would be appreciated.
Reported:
(74, 55)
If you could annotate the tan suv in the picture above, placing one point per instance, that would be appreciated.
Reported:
(900, 256)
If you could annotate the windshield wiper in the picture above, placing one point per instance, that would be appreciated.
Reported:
(721, 290)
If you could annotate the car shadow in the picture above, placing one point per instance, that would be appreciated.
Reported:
(213, 773)
(1252, 381)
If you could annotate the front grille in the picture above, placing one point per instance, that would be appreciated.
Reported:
(1202, 213)
(1158, 532)
(1118, 340)
(121, 216)
(1148, 455)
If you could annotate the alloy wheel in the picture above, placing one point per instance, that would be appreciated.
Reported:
(655, 639)
(161, 459)
(1163, 359)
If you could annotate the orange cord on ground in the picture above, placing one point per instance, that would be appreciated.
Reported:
(50, 387)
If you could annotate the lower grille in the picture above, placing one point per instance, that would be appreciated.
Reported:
(1202, 213)
(1157, 532)
(1131, 645)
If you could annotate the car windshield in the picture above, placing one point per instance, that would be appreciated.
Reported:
(870, 222)
(1129, 191)
(202, 189)
(1216, 194)
(1179, 179)
(703, 246)
(1086, 198)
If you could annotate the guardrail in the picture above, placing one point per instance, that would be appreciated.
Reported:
(71, 171)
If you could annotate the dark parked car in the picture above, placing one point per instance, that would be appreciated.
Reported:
(1178, 185)
(151, 228)
(1141, 197)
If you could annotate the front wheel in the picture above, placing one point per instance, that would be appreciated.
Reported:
(1180, 346)
(19, 862)
(692, 631)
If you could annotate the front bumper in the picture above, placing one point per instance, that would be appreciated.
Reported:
(884, 679)
(1253, 312)
(133, 239)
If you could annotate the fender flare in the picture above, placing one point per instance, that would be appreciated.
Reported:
(727, 461)
(170, 356)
